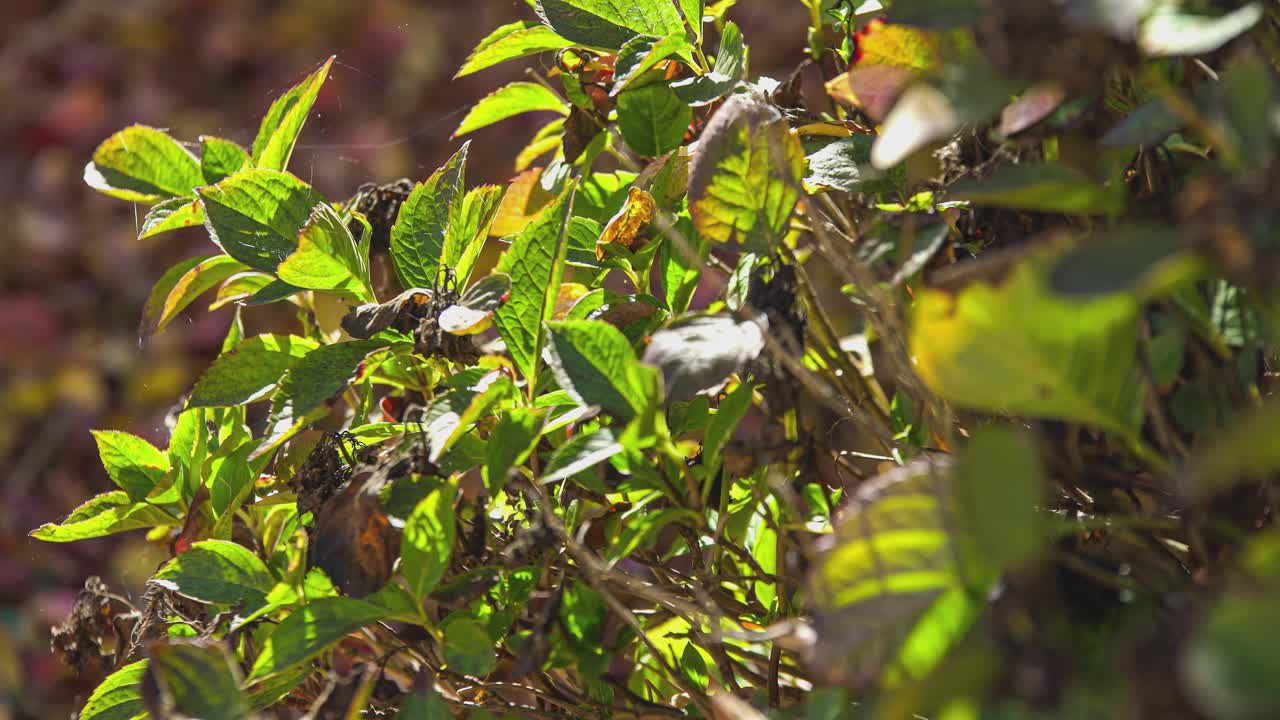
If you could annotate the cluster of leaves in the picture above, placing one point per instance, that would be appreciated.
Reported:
(931, 393)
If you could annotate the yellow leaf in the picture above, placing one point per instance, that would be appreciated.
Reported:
(623, 227)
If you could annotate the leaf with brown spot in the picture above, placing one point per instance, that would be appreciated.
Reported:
(354, 542)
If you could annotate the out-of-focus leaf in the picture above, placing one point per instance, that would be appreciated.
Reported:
(898, 585)
(697, 354)
(511, 41)
(744, 180)
(133, 464)
(419, 235)
(653, 119)
(468, 649)
(428, 539)
(899, 46)
(1045, 187)
(1230, 664)
(1036, 104)
(535, 262)
(1148, 124)
(474, 311)
(310, 630)
(937, 14)
(105, 514)
(279, 129)
(999, 486)
(172, 214)
(1136, 259)
(255, 215)
(327, 258)
(195, 679)
(424, 703)
(1019, 349)
(118, 696)
(608, 24)
(642, 528)
(872, 89)
(508, 101)
(143, 164)
(248, 372)
(1244, 452)
(220, 158)
(1171, 31)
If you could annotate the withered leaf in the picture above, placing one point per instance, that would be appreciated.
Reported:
(354, 542)
(624, 226)
(473, 313)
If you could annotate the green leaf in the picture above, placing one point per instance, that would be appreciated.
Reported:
(197, 679)
(220, 158)
(937, 14)
(466, 235)
(279, 130)
(535, 262)
(310, 630)
(1046, 187)
(134, 464)
(896, 574)
(255, 215)
(589, 359)
(581, 453)
(420, 233)
(509, 101)
(745, 179)
(250, 371)
(607, 23)
(274, 291)
(1142, 260)
(106, 514)
(427, 543)
(729, 69)
(999, 485)
(641, 54)
(180, 285)
(319, 376)
(216, 571)
(1021, 350)
(468, 649)
(510, 443)
(327, 258)
(730, 412)
(118, 696)
(642, 528)
(1169, 31)
(514, 40)
(231, 478)
(424, 703)
(652, 119)
(143, 164)
(845, 164)
(172, 214)
(1233, 659)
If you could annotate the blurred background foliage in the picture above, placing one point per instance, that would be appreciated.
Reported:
(74, 277)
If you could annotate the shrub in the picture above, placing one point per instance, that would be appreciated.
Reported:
(933, 393)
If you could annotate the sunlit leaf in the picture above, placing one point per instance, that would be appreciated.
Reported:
(310, 630)
(249, 371)
(280, 127)
(143, 164)
(608, 24)
(508, 101)
(511, 41)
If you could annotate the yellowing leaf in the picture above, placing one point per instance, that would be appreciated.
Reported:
(1019, 349)
(897, 45)
(524, 198)
(624, 226)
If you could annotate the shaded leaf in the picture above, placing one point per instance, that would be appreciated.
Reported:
(196, 679)
(310, 630)
(255, 215)
(729, 69)
(118, 696)
(248, 372)
(641, 54)
(589, 359)
(172, 214)
(697, 354)
(1046, 187)
(653, 119)
(220, 158)
(468, 649)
